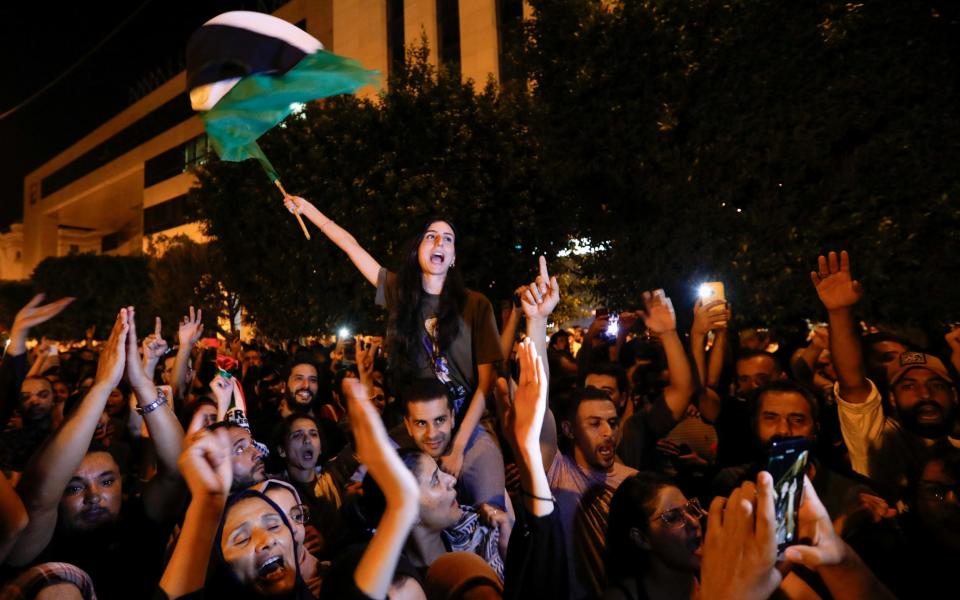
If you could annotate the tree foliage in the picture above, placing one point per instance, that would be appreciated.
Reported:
(738, 139)
(710, 139)
(101, 285)
(187, 273)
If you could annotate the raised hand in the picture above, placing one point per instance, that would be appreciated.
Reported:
(740, 550)
(154, 346)
(835, 286)
(541, 297)
(136, 375)
(114, 353)
(296, 204)
(191, 328)
(711, 316)
(375, 450)
(366, 354)
(206, 467)
(523, 418)
(32, 314)
(222, 389)
(659, 315)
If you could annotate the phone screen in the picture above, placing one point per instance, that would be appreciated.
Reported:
(787, 464)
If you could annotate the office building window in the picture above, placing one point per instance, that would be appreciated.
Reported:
(448, 30)
(173, 112)
(510, 38)
(165, 215)
(176, 160)
(395, 35)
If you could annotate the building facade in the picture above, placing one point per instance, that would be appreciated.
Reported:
(122, 186)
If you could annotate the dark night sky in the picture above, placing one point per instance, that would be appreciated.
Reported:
(40, 40)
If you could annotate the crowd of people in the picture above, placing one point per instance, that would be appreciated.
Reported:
(466, 454)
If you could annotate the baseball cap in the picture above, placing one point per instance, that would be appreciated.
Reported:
(919, 360)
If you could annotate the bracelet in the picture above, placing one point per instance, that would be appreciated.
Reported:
(529, 495)
(160, 401)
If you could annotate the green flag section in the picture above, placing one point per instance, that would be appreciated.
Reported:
(259, 102)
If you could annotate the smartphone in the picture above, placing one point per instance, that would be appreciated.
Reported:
(710, 291)
(787, 464)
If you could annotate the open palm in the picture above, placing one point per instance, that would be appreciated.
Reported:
(835, 286)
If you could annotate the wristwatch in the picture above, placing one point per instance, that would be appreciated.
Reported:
(160, 401)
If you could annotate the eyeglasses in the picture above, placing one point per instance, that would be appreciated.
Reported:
(937, 492)
(675, 517)
(300, 514)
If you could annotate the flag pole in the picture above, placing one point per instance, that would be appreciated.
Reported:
(296, 213)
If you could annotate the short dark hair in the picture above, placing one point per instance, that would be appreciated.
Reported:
(559, 334)
(424, 389)
(785, 386)
(611, 370)
(748, 354)
(570, 403)
(631, 508)
(38, 378)
(300, 358)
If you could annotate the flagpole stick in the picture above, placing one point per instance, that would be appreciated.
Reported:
(296, 214)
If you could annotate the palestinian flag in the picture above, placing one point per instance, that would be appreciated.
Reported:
(246, 71)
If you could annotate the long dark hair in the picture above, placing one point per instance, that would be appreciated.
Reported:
(631, 508)
(404, 326)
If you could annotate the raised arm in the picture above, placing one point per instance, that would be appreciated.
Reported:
(661, 321)
(15, 358)
(523, 423)
(367, 265)
(839, 292)
(206, 466)
(539, 301)
(163, 496)
(706, 318)
(188, 334)
(375, 570)
(48, 473)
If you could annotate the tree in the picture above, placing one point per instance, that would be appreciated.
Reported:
(739, 139)
(101, 285)
(186, 273)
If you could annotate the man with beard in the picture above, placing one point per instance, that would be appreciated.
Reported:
(785, 409)
(922, 399)
(302, 384)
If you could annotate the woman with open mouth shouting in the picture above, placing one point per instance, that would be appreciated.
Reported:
(254, 543)
(437, 328)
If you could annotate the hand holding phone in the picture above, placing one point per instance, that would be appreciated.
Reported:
(787, 464)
